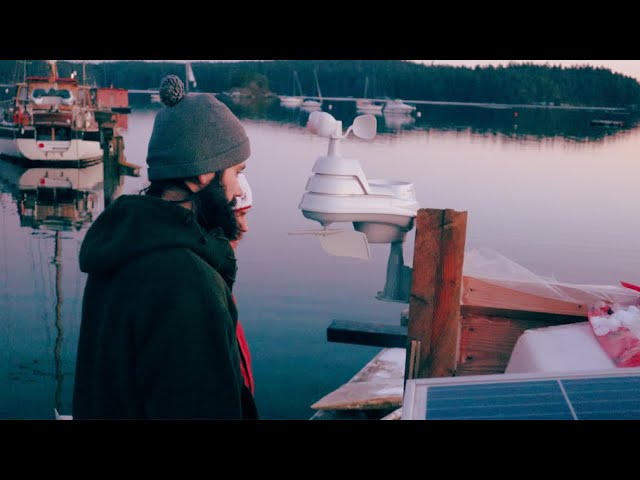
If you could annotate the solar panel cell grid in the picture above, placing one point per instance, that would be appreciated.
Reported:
(608, 395)
(605, 398)
(531, 400)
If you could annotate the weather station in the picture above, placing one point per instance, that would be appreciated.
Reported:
(380, 211)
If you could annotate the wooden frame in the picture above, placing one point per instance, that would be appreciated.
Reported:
(462, 325)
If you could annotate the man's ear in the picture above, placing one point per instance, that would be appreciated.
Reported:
(203, 180)
(192, 186)
(206, 178)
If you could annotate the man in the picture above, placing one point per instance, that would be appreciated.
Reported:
(243, 204)
(158, 331)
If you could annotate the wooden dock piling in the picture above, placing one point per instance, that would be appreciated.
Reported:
(457, 324)
(113, 159)
(434, 305)
(462, 325)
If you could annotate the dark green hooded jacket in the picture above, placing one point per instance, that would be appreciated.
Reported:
(158, 331)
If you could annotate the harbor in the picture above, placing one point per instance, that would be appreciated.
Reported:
(52, 120)
(323, 342)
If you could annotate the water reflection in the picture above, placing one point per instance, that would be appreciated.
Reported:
(53, 203)
(58, 198)
(511, 122)
(398, 121)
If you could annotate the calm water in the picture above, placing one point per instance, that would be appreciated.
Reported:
(543, 188)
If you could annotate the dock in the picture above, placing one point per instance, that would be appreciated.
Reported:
(457, 325)
(373, 393)
(607, 123)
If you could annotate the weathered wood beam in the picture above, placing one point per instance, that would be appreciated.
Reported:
(551, 318)
(361, 333)
(481, 293)
(378, 386)
(434, 305)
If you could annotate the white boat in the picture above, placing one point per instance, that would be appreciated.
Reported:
(312, 105)
(398, 106)
(32, 146)
(292, 101)
(366, 105)
(52, 120)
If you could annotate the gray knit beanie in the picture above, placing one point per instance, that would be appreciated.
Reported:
(193, 134)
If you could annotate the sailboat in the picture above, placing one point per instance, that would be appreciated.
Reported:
(365, 105)
(189, 77)
(293, 100)
(310, 105)
(397, 106)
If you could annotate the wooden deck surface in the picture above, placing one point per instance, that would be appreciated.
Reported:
(378, 386)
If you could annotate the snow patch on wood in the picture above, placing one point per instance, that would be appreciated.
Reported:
(379, 385)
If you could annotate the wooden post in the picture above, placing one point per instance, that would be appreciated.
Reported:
(111, 180)
(434, 304)
(106, 123)
(113, 159)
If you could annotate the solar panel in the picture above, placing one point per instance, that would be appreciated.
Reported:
(600, 395)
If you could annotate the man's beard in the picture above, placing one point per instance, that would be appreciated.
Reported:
(214, 210)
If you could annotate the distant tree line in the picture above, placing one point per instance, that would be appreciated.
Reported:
(515, 83)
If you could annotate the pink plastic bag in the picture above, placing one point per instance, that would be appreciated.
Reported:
(617, 329)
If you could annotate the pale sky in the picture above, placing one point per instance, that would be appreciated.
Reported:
(630, 68)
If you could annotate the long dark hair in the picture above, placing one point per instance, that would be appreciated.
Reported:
(224, 218)
(157, 187)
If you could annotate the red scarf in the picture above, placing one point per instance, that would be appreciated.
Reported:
(245, 358)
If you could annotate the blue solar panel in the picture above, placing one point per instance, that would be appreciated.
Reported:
(533, 400)
(605, 398)
(602, 395)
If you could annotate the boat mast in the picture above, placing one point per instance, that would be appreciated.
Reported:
(297, 81)
(24, 69)
(293, 86)
(315, 75)
(189, 76)
(57, 350)
(53, 65)
(186, 77)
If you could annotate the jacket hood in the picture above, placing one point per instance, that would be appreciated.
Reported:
(135, 225)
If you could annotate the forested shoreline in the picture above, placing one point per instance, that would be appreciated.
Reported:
(579, 85)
